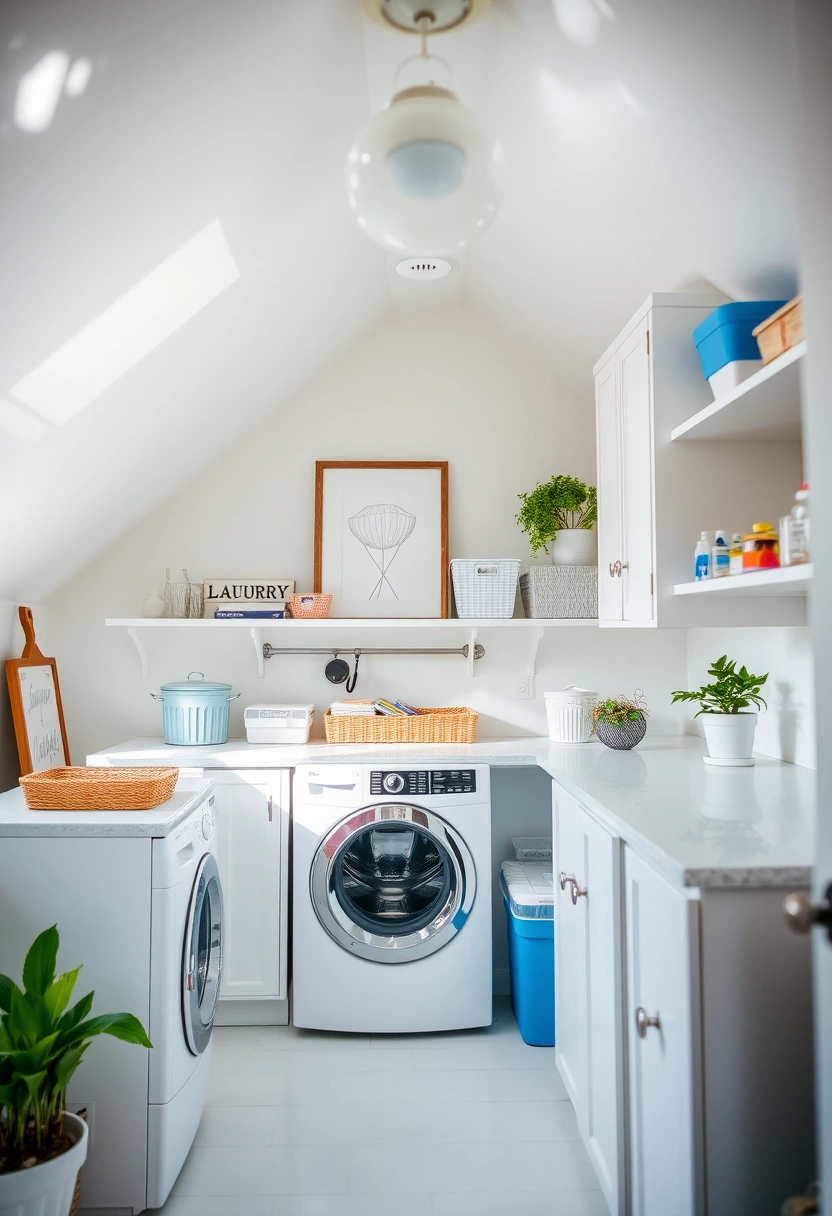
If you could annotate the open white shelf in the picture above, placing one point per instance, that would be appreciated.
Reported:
(357, 623)
(788, 580)
(765, 406)
(534, 629)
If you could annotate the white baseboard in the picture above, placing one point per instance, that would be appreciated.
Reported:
(252, 1013)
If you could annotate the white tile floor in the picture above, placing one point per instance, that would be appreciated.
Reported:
(301, 1123)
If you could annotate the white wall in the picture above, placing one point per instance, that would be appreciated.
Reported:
(437, 385)
(787, 729)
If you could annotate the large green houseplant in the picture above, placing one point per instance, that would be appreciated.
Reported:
(728, 707)
(42, 1042)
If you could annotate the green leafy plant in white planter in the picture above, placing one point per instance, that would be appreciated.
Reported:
(42, 1042)
(559, 516)
(727, 716)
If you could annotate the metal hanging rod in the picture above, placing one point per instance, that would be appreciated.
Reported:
(270, 651)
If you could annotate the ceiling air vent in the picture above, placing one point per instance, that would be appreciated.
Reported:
(424, 268)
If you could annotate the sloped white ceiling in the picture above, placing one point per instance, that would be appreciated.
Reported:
(647, 143)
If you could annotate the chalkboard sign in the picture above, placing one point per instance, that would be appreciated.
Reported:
(37, 713)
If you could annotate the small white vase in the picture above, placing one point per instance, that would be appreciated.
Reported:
(154, 606)
(575, 547)
(46, 1189)
(730, 739)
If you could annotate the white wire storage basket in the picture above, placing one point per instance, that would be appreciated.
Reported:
(485, 587)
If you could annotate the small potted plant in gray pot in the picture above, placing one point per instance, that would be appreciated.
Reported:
(621, 722)
(728, 708)
(42, 1042)
(559, 516)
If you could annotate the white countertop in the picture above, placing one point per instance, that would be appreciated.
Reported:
(17, 820)
(700, 827)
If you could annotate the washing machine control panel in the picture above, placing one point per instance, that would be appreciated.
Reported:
(427, 782)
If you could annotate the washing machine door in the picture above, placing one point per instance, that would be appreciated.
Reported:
(393, 883)
(202, 956)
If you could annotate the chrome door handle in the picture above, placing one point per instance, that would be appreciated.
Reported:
(577, 891)
(802, 913)
(271, 816)
(615, 568)
(644, 1022)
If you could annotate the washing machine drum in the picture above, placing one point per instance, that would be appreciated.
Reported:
(393, 883)
(202, 956)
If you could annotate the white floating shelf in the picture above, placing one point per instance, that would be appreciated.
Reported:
(358, 623)
(788, 580)
(765, 406)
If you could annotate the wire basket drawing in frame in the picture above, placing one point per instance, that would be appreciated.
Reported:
(382, 528)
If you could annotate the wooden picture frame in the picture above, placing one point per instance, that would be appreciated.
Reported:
(439, 517)
(37, 712)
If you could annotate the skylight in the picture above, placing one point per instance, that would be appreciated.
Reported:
(136, 323)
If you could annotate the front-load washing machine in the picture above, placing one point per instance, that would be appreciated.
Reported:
(392, 898)
(136, 898)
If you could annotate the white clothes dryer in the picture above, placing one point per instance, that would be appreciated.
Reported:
(392, 898)
(136, 898)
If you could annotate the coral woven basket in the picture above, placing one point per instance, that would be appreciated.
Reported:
(454, 725)
(314, 606)
(98, 789)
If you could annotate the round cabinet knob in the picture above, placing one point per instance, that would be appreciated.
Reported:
(394, 783)
(644, 1022)
(207, 826)
(802, 913)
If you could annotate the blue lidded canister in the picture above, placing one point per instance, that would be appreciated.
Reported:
(195, 711)
(725, 335)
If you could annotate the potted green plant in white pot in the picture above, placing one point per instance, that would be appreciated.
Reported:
(559, 516)
(42, 1042)
(725, 707)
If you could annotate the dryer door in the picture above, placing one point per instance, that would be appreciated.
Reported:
(393, 883)
(202, 956)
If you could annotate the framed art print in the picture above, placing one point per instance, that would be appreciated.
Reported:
(381, 537)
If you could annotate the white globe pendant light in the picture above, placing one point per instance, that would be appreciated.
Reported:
(425, 173)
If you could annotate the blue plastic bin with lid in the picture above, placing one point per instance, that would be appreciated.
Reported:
(529, 897)
(725, 335)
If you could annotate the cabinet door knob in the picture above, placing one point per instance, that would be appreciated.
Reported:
(564, 879)
(615, 568)
(577, 891)
(802, 913)
(571, 880)
(623, 566)
(644, 1022)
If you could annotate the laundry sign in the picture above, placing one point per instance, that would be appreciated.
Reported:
(37, 713)
(245, 592)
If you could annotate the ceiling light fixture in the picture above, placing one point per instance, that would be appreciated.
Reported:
(425, 173)
(406, 14)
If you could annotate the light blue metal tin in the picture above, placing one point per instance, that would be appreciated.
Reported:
(195, 711)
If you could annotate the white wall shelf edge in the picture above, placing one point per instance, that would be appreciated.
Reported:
(787, 580)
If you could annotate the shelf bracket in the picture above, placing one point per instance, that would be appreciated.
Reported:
(143, 659)
(257, 639)
(535, 636)
(472, 653)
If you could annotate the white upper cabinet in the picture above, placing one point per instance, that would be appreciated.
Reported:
(656, 496)
(253, 858)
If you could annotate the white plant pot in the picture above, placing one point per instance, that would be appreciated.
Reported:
(730, 739)
(575, 547)
(47, 1189)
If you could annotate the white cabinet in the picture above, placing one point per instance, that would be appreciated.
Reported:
(253, 859)
(655, 496)
(663, 1032)
(588, 996)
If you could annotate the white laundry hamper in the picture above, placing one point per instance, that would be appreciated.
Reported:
(569, 714)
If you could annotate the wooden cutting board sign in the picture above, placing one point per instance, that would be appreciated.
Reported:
(37, 712)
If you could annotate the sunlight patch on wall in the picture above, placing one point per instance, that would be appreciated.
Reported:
(135, 324)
